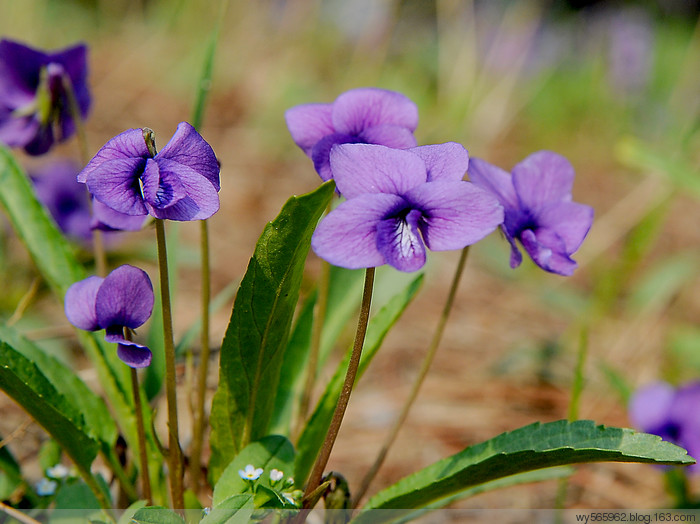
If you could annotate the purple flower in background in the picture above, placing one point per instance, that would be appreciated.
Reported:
(671, 413)
(399, 202)
(538, 209)
(365, 115)
(122, 300)
(34, 102)
(69, 204)
(181, 182)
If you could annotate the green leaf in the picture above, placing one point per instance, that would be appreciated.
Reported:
(233, 510)
(98, 422)
(529, 448)
(316, 428)
(156, 515)
(253, 349)
(344, 293)
(24, 382)
(271, 452)
(55, 260)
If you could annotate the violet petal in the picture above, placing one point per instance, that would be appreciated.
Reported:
(105, 218)
(542, 178)
(115, 183)
(189, 149)
(134, 355)
(80, 303)
(358, 109)
(399, 241)
(320, 153)
(388, 135)
(125, 298)
(444, 162)
(650, 405)
(161, 189)
(309, 123)
(570, 220)
(368, 168)
(347, 236)
(495, 180)
(548, 251)
(127, 145)
(454, 214)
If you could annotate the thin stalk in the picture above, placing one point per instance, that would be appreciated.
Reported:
(420, 378)
(336, 421)
(200, 417)
(315, 349)
(141, 431)
(17, 514)
(175, 456)
(118, 470)
(97, 242)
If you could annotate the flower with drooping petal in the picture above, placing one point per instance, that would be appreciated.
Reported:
(538, 209)
(180, 182)
(250, 472)
(34, 102)
(124, 299)
(365, 115)
(671, 413)
(399, 202)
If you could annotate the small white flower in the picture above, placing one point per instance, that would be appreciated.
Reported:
(250, 472)
(276, 475)
(46, 487)
(59, 471)
(289, 481)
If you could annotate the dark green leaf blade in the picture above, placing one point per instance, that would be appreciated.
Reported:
(526, 449)
(316, 428)
(253, 349)
(156, 515)
(22, 380)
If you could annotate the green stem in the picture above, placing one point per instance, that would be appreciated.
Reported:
(140, 429)
(175, 454)
(315, 349)
(341, 406)
(422, 373)
(200, 418)
(97, 243)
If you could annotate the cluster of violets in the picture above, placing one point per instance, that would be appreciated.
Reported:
(671, 413)
(401, 198)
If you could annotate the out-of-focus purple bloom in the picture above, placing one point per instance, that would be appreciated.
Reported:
(538, 209)
(365, 116)
(181, 182)
(630, 49)
(671, 413)
(122, 300)
(65, 198)
(399, 202)
(34, 103)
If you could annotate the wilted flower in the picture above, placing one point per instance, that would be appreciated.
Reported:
(400, 201)
(124, 299)
(671, 413)
(181, 182)
(34, 102)
(538, 209)
(365, 115)
(250, 472)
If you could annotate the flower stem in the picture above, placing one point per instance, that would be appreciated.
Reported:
(175, 454)
(353, 364)
(97, 243)
(199, 414)
(422, 373)
(141, 431)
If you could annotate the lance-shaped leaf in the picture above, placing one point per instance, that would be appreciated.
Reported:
(22, 380)
(54, 258)
(253, 348)
(316, 428)
(526, 449)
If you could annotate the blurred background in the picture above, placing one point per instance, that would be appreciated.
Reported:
(613, 86)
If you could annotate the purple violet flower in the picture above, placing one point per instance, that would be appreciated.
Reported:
(122, 300)
(400, 201)
(672, 414)
(181, 182)
(365, 115)
(538, 209)
(34, 103)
